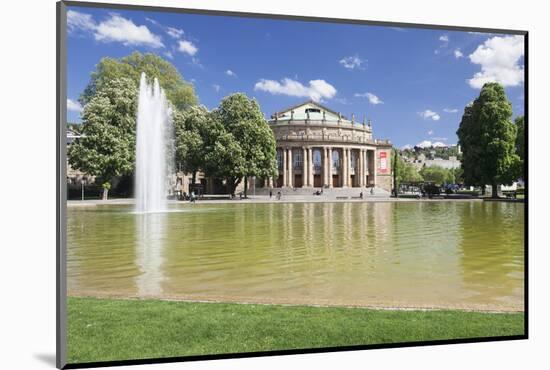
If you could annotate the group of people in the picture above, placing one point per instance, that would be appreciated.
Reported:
(317, 192)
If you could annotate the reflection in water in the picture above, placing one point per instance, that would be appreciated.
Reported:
(149, 249)
(416, 254)
(497, 226)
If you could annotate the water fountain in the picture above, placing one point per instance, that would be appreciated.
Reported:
(152, 139)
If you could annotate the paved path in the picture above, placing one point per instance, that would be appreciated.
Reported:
(266, 199)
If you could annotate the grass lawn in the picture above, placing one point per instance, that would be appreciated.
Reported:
(117, 329)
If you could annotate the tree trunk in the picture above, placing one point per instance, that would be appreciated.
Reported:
(245, 185)
(105, 194)
(233, 183)
(193, 177)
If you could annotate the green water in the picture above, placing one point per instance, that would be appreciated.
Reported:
(410, 254)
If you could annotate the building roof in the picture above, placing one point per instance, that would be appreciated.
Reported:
(308, 102)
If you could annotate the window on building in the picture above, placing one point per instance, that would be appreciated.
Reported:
(353, 159)
(313, 110)
(335, 159)
(297, 158)
(317, 162)
(279, 159)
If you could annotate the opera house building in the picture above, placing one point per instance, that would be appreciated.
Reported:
(319, 148)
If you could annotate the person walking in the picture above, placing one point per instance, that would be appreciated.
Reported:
(270, 193)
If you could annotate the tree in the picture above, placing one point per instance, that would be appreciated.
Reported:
(520, 140)
(242, 118)
(469, 138)
(458, 174)
(191, 131)
(437, 174)
(107, 146)
(488, 139)
(403, 171)
(180, 93)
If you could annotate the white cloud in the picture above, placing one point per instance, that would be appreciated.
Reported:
(230, 73)
(79, 21)
(458, 54)
(174, 32)
(429, 114)
(431, 132)
(430, 144)
(450, 110)
(439, 139)
(444, 43)
(187, 47)
(196, 62)
(113, 29)
(216, 87)
(316, 90)
(169, 54)
(74, 106)
(153, 21)
(351, 62)
(499, 60)
(407, 146)
(119, 29)
(373, 99)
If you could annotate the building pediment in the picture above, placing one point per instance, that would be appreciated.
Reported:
(309, 110)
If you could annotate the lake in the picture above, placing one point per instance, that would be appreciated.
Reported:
(411, 254)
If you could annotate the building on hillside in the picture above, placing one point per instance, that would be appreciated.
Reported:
(449, 164)
(318, 147)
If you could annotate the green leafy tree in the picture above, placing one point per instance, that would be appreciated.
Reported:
(520, 140)
(397, 170)
(488, 139)
(241, 117)
(469, 138)
(437, 174)
(180, 93)
(458, 174)
(410, 173)
(192, 130)
(403, 171)
(107, 147)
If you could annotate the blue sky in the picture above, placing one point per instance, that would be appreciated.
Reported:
(412, 83)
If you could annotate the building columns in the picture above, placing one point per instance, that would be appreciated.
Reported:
(360, 168)
(305, 176)
(330, 185)
(310, 166)
(324, 169)
(345, 171)
(285, 170)
(290, 168)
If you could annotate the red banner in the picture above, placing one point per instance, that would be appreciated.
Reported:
(383, 162)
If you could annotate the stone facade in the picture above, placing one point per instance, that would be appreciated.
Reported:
(319, 148)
